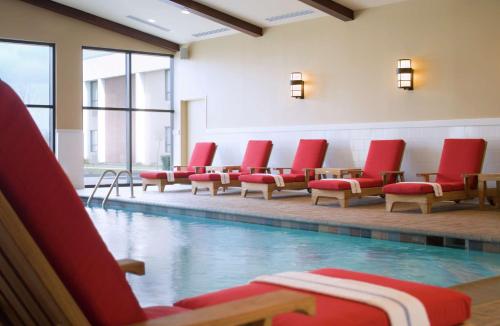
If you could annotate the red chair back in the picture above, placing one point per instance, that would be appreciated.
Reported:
(41, 194)
(310, 154)
(256, 155)
(202, 155)
(460, 156)
(384, 155)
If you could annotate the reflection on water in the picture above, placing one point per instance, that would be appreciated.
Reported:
(187, 256)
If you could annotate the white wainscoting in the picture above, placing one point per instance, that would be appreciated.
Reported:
(69, 152)
(349, 142)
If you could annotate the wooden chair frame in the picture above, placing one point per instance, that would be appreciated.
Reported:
(31, 293)
(161, 183)
(425, 201)
(344, 196)
(267, 189)
(493, 195)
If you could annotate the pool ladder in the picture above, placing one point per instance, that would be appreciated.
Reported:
(113, 184)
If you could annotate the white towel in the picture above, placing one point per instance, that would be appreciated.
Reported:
(438, 190)
(355, 186)
(402, 308)
(224, 178)
(170, 176)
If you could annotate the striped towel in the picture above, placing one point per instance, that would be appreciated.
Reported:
(170, 176)
(224, 178)
(438, 190)
(402, 308)
(355, 186)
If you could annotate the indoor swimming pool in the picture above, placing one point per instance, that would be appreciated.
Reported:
(187, 256)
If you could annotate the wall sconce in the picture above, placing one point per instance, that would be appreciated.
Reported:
(405, 74)
(296, 85)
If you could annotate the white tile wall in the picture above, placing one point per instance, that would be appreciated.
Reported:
(349, 143)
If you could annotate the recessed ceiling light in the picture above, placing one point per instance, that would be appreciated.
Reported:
(185, 11)
(151, 20)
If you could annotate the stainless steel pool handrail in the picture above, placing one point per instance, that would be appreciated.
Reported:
(98, 184)
(115, 183)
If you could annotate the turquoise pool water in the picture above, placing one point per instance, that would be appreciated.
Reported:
(187, 256)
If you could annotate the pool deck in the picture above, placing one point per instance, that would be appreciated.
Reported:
(449, 223)
(448, 220)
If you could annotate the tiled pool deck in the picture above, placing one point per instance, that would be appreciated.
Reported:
(452, 225)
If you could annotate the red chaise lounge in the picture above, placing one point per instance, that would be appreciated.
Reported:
(310, 155)
(461, 161)
(55, 268)
(202, 156)
(381, 168)
(256, 158)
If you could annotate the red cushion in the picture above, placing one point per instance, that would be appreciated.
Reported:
(444, 306)
(383, 155)
(158, 312)
(310, 154)
(202, 155)
(39, 191)
(420, 188)
(163, 175)
(338, 184)
(212, 176)
(268, 178)
(460, 156)
(257, 154)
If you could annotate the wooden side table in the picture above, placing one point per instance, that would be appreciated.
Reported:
(493, 195)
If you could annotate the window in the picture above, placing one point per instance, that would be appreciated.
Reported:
(127, 112)
(28, 67)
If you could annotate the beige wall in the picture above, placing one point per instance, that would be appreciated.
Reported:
(19, 20)
(350, 68)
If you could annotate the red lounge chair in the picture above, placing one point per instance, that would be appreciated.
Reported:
(202, 156)
(309, 156)
(256, 158)
(381, 167)
(461, 161)
(56, 270)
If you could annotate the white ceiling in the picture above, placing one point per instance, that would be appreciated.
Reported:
(178, 27)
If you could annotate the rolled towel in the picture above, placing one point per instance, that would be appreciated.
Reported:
(278, 179)
(224, 178)
(401, 307)
(170, 176)
(355, 186)
(438, 190)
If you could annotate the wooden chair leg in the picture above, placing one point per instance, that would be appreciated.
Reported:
(144, 186)
(344, 202)
(244, 192)
(389, 205)
(315, 199)
(268, 194)
(161, 187)
(194, 190)
(212, 189)
(426, 207)
(457, 201)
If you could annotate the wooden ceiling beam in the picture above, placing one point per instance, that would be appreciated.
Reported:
(104, 23)
(332, 8)
(220, 17)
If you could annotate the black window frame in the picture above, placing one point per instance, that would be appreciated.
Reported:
(53, 86)
(129, 92)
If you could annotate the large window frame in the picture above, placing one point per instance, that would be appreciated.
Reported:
(129, 109)
(52, 86)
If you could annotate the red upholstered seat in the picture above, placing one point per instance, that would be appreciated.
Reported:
(202, 155)
(256, 155)
(57, 220)
(157, 312)
(338, 184)
(268, 178)
(458, 157)
(163, 175)
(443, 306)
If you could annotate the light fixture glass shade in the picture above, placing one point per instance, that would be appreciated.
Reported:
(296, 85)
(405, 74)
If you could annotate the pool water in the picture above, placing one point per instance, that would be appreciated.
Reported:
(187, 256)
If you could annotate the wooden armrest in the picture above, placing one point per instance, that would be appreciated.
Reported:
(251, 310)
(132, 266)
(308, 172)
(199, 169)
(489, 176)
(426, 175)
(399, 174)
(262, 168)
(230, 168)
(180, 167)
(281, 170)
(338, 172)
(211, 169)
